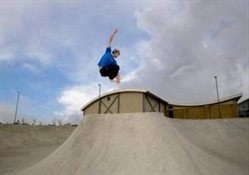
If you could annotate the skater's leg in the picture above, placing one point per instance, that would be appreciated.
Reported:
(104, 72)
(113, 71)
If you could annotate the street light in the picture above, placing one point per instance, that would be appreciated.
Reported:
(99, 89)
(17, 102)
(99, 98)
(217, 92)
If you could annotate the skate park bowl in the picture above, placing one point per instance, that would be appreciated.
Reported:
(24, 145)
(150, 144)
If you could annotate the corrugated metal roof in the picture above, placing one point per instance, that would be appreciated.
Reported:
(121, 91)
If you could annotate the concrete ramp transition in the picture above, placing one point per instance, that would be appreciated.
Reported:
(150, 144)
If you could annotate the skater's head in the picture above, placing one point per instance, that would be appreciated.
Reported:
(115, 53)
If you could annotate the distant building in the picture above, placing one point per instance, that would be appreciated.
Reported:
(67, 125)
(126, 101)
(244, 108)
(226, 108)
(135, 101)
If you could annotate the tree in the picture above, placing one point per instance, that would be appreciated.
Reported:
(54, 122)
(60, 122)
(34, 121)
(23, 121)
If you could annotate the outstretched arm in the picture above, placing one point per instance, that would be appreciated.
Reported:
(111, 38)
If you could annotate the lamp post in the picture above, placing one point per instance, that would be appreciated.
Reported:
(17, 102)
(99, 98)
(99, 89)
(218, 98)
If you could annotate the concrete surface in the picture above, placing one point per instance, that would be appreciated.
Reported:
(22, 146)
(150, 144)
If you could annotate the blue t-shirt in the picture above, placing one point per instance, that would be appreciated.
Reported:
(107, 59)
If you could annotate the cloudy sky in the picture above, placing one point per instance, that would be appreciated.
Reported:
(49, 51)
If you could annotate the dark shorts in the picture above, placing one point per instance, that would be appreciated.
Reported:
(109, 71)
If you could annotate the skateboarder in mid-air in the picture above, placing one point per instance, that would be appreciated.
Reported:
(108, 66)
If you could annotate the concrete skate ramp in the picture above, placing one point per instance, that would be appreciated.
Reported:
(150, 144)
(24, 145)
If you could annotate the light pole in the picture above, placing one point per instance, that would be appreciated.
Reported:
(99, 89)
(99, 98)
(17, 102)
(217, 92)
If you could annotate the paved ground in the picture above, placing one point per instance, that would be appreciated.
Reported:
(22, 146)
(150, 144)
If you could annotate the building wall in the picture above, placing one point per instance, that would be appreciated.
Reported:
(152, 104)
(126, 102)
(109, 104)
(92, 109)
(131, 102)
(222, 110)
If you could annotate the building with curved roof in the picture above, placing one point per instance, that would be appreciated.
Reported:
(126, 101)
(225, 108)
(137, 101)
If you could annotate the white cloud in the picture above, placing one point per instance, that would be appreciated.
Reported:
(67, 38)
(181, 70)
(70, 36)
(6, 54)
(73, 98)
(30, 67)
(130, 77)
(192, 42)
